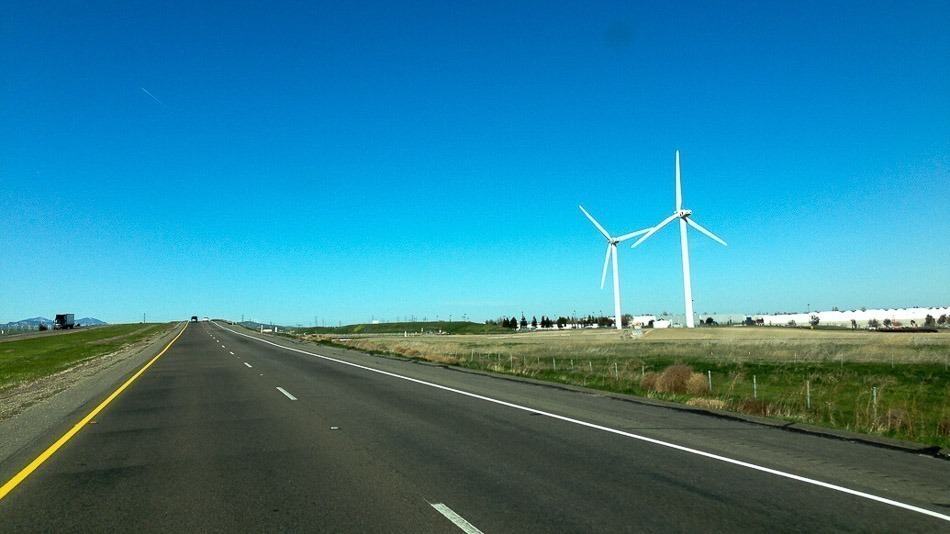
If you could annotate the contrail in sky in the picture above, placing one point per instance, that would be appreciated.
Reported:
(144, 90)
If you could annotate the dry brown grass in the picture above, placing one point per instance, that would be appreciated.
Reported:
(753, 407)
(697, 384)
(648, 382)
(712, 404)
(673, 379)
(898, 419)
(737, 344)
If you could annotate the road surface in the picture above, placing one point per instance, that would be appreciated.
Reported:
(227, 433)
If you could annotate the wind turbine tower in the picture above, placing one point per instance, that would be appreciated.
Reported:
(684, 216)
(612, 243)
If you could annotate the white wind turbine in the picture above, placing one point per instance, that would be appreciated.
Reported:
(612, 252)
(684, 217)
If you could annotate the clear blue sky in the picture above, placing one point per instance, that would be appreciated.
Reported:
(427, 158)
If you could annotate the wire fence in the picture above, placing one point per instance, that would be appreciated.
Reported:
(832, 396)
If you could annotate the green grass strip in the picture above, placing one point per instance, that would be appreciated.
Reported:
(28, 359)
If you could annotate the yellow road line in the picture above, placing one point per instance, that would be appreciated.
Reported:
(26, 471)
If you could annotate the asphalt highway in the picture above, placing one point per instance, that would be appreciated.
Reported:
(227, 433)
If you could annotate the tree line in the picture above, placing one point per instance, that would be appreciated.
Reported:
(561, 322)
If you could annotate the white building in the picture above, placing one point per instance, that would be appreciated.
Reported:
(861, 317)
(643, 320)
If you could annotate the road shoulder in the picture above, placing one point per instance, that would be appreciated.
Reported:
(46, 406)
(789, 426)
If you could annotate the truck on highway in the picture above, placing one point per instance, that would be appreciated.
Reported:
(64, 321)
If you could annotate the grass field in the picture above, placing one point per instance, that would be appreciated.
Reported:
(29, 359)
(883, 383)
(415, 327)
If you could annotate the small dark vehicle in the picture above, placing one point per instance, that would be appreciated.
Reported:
(64, 321)
(194, 318)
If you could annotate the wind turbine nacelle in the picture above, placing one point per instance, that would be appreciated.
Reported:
(684, 213)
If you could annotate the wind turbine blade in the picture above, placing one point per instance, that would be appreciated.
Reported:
(679, 189)
(625, 237)
(603, 277)
(711, 235)
(596, 224)
(655, 229)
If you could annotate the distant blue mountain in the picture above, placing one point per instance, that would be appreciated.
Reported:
(35, 322)
(31, 322)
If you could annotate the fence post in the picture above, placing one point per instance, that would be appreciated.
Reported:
(808, 394)
(874, 401)
(755, 388)
(554, 361)
(616, 372)
(709, 377)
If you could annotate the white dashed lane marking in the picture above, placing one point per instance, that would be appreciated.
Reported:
(458, 520)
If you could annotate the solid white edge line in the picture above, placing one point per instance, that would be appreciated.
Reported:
(284, 391)
(459, 521)
(595, 426)
(247, 364)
